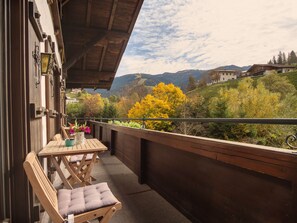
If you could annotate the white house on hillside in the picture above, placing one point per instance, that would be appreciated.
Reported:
(219, 76)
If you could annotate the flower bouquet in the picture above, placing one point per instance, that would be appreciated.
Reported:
(79, 131)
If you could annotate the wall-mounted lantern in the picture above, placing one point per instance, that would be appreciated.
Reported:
(46, 63)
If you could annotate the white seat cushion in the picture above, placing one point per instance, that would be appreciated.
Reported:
(84, 199)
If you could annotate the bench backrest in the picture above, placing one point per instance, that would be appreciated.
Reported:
(42, 187)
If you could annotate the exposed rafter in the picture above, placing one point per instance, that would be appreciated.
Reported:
(74, 34)
(112, 15)
(90, 75)
(79, 54)
(102, 57)
(102, 85)
(84, 62)
(96, 34)
(136, 12)
(88, 17)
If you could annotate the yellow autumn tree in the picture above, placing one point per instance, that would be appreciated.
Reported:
(171, 95)
(162, 103)
(93, 104)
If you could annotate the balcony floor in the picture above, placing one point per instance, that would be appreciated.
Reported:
(140, 203)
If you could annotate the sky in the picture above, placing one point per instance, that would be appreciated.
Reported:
(174, 35)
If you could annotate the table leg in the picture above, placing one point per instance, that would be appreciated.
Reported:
(87, 177)
(63, 178)
(70, 170)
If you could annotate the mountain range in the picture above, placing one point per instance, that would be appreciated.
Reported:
(179, 79)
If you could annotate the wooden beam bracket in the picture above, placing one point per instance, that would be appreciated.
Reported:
(53, 113)
(63, 115)
(37, 112)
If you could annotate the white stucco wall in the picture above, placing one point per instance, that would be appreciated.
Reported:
(227, 76)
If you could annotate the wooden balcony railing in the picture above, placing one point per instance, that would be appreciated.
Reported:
(209, 180)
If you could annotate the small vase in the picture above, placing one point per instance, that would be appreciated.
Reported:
(79, 137)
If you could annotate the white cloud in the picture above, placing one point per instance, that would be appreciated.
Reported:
(172, 35)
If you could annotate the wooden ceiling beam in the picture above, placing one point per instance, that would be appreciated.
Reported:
(81, 34)
(102, 57)
(135, 15)
(103, 85)
(84, 65)
(112, 14)
(88, 14)
(85, 48)
(89, 75)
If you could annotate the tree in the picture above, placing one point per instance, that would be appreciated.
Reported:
(114, 98)
(289, 59)
(152, 107)
(293, 57)
(125, 104)
(269, 62)
(75, 110)
(278, 84)
(192, 108)
(171, 95)
(214, 76)
(280, 58)
(203, 81)
(109, 110)
(93, 105)
(274, 60)
(191, 83)
(164, 102)
(284, 59)
(245, 101)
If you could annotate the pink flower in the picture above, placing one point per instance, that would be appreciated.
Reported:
(79, 128)
(71, 131)
(87, 130)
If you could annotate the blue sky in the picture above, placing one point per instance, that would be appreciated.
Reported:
(173, 35)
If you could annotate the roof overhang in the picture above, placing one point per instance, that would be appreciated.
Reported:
(96, 33)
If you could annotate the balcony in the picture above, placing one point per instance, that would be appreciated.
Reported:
(207, 180)
(140, 202)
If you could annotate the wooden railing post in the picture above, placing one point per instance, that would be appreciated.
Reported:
(112, 142)
(141, 177)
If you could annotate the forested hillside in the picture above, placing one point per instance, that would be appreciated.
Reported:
(179, 79)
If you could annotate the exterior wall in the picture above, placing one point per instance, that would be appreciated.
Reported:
(24, 132)
(226, 76)
(285, 70)
(47, 27)
(209, 180)
(71, 101)
(47, 24)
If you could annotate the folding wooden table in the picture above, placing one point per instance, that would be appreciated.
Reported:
(57, 152)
